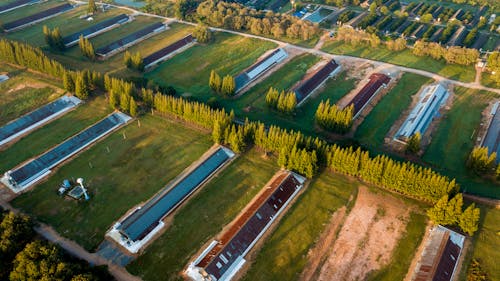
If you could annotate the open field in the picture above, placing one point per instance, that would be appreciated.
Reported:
(228, 54)
(22, 94)
(378, 122)
(487, 81)
(453, 140)
(285, 252)
(53, 133)
(133, 170)
(487, 239)
(404, 58)
(29, 10)
(68, 23)
(203, 216)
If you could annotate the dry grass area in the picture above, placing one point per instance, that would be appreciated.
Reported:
(368, 237)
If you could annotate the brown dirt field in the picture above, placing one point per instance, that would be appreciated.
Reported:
(367, 238)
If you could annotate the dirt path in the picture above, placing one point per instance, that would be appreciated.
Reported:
(317, 255)
(367, 238)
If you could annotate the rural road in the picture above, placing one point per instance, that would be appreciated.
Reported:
(318, 52)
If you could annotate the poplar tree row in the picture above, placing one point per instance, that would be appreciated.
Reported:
(53, 38)
(120, 95)
(82, 83)
(332, 118)
(450, 212)
(225, 86)
(86, 47)
(281, 101)
(134, 61)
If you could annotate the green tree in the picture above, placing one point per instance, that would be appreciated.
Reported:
(127, 59)
(124, 102)
(91, 7)
(469, 219)
(480, 162)
(113, 99)
(68, 83)
(81, 88)
(228, 85)
(426, 18)
(413, 144)
(438, 213)
(133, 107)
(475, 272)
(202, 33)
(498, 172)
(215, 81)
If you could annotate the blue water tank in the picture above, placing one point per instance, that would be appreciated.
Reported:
(66, 184)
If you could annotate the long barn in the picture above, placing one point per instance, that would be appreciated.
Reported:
(36, 18)
(16, 5)
(222, 259)
(306, 87)
(34, 170)
(139, 227)
(492, 138)
(168, 51)
(96, 29)
(376, 82)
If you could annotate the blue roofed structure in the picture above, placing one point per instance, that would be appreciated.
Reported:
(492, 138)
(96, 29)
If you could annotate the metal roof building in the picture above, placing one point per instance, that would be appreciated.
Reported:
(96, 29)
(431, 99)
(492, 138)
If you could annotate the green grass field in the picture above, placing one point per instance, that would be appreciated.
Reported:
(404, 58)
(379, 121)
(404, 251)
(284, 253)
(487, 81)
(53, 133)
(453, 140)
(18, 98)
(203, 216)
(29, 10)
(133, 170)
(68, 23)
(189, 72)
(487, 239)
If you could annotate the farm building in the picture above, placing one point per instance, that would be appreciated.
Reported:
(431, 99)
(96, 29)
(492, 138)
(222, 259)
(140, 226)
(376, 82)
(259, 68)
(440, 256)
(16, 4)
(168, 51)
(36, 18)
(130, 40)
(306, 87)
(37, 118)
(32, 171)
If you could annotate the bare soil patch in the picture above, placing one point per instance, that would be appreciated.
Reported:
(367, 238)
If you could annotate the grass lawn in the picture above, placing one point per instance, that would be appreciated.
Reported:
(404, 58)
(284, 254)
(133, 170)
(29, 10)
(486, 80)
(404, 251)
(189, 71)
(203, 216)
(14, 103)
(68, 23)
(378, 122)
(53, 133)
(486, 243)
(452, 139)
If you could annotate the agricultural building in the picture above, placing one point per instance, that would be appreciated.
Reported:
(16, 5)
(96, 29)
(36, 18)
(259, 68)
(222, 259)
(376, 82)
(37, 118)
(168, 51)
(33, 170)
(130, 40)
(431, 99)
(440, 256)
(140, 226)
(307, 86)
(492, 138)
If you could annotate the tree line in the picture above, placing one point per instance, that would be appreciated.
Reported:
(282, 101)
(23, 256)
(450, 212)
(332, 118)
(53, 38)
(86, 48)
(120, 95)
(133, 61)
(240, 18)
(225, 86)
(493, 65)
